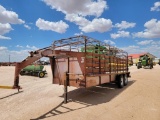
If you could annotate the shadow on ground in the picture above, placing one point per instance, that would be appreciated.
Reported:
(11, 95)
(83, 98)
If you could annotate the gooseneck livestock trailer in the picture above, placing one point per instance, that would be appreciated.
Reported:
(81, 62)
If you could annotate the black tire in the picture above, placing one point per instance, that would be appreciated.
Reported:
(41, 74)
(125, 79)
(120, 81)
(22, 73)
(139, 65)
(150, 67)
(32, 73)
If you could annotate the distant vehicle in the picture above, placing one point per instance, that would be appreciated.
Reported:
(45, 63)
(130, 60)
(40, 62)
(145, 61)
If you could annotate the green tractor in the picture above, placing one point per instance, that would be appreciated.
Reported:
(145, 61)
(34, 70)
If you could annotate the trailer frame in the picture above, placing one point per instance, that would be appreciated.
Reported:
(81, 61)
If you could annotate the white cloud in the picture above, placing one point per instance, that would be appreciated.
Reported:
(130, 48)
(77, 34)
(9, 16)
(5, 28)
(149, 42)
(15, 55)
(145, 42)
(152, 47)
(97, 25)
(59, 27)
(4, 38)
(32, 47)
(19, 46)
(76, 11)
(156, 7)
(124, 25)
(133, 49)
(77, 19)
(152, 30)
(109, 42)
(2, 48)
(81, 7)
(120, 34)
(28, 27)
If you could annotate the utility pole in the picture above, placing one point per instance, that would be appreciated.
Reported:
(9, 59)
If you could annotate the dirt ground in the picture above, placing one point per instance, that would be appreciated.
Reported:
(40, 99)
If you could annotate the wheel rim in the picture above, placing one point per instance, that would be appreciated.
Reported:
(122, 82)
(125, 80)
(41, 74)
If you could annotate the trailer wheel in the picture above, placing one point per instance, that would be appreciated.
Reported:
(151, 66)
(125, 79)
(41, 74)
(120, 81)
(139, 65)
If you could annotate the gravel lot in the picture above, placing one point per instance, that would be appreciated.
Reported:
(40, 99)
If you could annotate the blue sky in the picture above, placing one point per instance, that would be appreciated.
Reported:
(26, 25)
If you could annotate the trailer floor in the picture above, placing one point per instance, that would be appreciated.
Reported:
(40, 99)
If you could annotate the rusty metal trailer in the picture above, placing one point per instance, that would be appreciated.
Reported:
(81, 62)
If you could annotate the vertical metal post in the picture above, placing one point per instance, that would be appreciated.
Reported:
(85, 46)
(53, 65)
(99, 49)
(9, 60)
(16, 76)
(65, 88)
(53, 68)
(66, 83)
(110, 64)
(127, 62)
